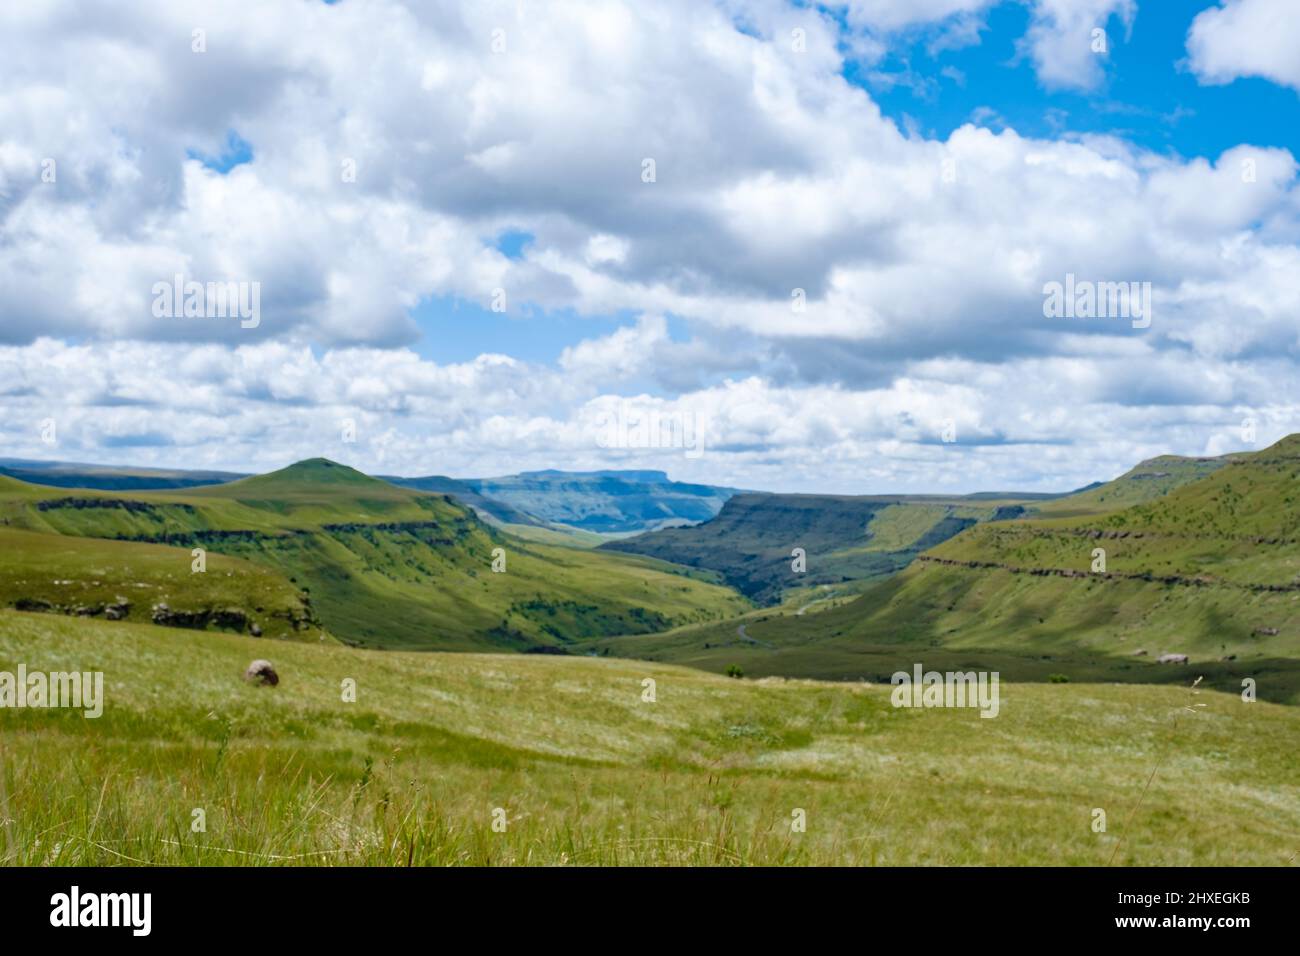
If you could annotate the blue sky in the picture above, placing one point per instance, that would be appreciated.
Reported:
(1149, 96)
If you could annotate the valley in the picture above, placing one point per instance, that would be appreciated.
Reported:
(379, 565)
(590, 704)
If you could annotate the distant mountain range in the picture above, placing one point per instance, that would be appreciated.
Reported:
(753, 541)
(859, 538)
(66, 474)
(320, 550)
(606, 501)
(618, 502)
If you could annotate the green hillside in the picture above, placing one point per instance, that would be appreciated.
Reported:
(387, 566)
(1145, 482)
(121, 581)
(1211, 570)
(844, 538)
(587, 772)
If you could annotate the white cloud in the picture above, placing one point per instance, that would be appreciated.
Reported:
(1047, 423)
(922, 261)
(1063, 39)
(896, 14)
(1246, 38)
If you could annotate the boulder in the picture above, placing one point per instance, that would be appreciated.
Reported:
(1172, 659)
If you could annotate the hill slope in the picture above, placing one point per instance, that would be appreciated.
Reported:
(588, 772)
(387, 566)
(843, 537)
(127, 581)
(1211, 570)
(1145, 482)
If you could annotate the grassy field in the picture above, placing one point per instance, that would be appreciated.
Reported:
(587, 772)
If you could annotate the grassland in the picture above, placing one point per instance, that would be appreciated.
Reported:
(587, 772)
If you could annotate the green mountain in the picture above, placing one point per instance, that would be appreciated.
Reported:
(751, 542)
(381, 566)
(118, 478)
(606, 501)
(601, 502)
(1210, 570)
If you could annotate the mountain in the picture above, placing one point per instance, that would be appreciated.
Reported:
(64, 474)
(606, 501)
(118, 478)
(1210, 570)
(844, 538)
(598, 501)
(462, 492)
(380, 565)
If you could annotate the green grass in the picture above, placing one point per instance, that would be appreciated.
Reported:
(87, 576)
(1145, 482)
(588, 773)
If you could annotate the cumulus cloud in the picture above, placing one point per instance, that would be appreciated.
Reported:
(1047, 423)
(1246, 38)
(1069, 41)
(845, 284)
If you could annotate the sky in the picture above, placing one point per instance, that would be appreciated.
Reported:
(790, 246)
